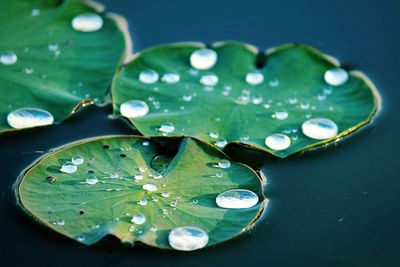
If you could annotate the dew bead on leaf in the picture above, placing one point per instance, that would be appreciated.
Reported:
(220, 95)
(162, 200)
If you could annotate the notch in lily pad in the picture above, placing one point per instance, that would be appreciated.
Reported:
(55, 57)
(195, 198)
(296, 99)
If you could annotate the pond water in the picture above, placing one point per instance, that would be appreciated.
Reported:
(338, 206)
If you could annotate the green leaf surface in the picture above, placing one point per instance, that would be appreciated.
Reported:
(58, 68)
(236, 111)
(186, 191)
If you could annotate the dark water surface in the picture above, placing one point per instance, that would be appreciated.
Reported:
(338, 206)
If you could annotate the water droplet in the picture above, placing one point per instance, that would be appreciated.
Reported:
(148, 76)
(336, 76)
(143, 202)
(153, 229)
(139, 219)
(209, 80)
(213, 135)
(254, 78)
(150, 187)
(170, 77)
(51, 179)
(237, 199)
(274, 83)
(221, 143)
(195, 201)
(203, 59)
(35, 12)
(138, 177)
(78, 160)
(219, 174)
(146, 143)
(224, 164)
(68, 168)
(92, 179)
(8, 58)
(29, 117)
(80, 238)
(131, 228)
(28, 70)
(134, 109)
(277, 141)
(319, 128)
(87, 22)
(165, 194)
(60, 222)
(281, 115)
(256, 100)
(167, 128)
(114, 175)
(293, 100)
(187, 98)
(187, 238)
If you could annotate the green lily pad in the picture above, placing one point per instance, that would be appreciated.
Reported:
(53, 65)
(107, 185)
(245, 96)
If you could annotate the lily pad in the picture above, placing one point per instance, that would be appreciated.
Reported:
(232, 93)
(107, 185)
(56, 56)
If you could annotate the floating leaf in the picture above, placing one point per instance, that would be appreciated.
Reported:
(230, 93)
(108, 186)
(55, 57)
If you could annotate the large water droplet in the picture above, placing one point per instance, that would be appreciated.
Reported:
(209, 79)
(92, 179)
(8, 58)
(170, 77)
(277, 141)
(148, 76)
(203, 59)
(139, 219)
(87, 22)
(237, 199)
(29, 117)
(187, 238)
(319, 128)
(68, 168)
(150, 187)
(134, 109)
(336, 76)
(78, 160)
(254, 78)
(224, 164)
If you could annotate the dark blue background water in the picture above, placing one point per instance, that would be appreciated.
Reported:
(338, 206)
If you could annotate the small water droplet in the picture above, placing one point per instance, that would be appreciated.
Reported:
(134, 108)
(213, 135)
(28, 70)
(256, 100)
(132, 228)
(237, 199)
(35, 12)
(138, 177)
(148, 76)
(219, 174)
(80, 238)
(336, 76)
(277, 141)
(139, 219)
(187, 98)
(224, 164)
(114, 175)
(143, 202)
(60, 222)
(203, 59)
(68, 168)
(87, 22)
(195, 201)
(165, 194)
(274, 83)
(51, 179)
(78, 160)
(254, 78)
(167, 128)
(292, 100)
(281, 115)
(150, 187)
(319, 128)
(92, 179)
(221, 143)
(209, 80)
(305, 105)
(146, 143)
(170, 77)
(8, 58)
(187, 238)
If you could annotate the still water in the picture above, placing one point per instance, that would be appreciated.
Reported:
(338, 206)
